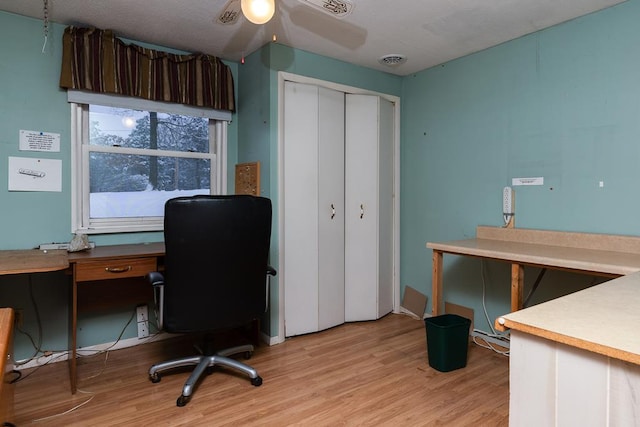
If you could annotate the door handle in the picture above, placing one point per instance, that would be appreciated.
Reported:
(333, 211)
(361, 211)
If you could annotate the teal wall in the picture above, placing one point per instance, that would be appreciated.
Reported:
(30, 99)
(254, 136)
(561, 103)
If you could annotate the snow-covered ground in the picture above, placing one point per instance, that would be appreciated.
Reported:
(135, 203)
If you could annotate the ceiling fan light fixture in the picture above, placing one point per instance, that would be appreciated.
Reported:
(230, 13)
(258, 11)
(392, 60)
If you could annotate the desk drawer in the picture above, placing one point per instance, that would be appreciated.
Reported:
(114, 268)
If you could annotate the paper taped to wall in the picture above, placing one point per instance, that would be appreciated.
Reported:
(27, 174)
(39, 141)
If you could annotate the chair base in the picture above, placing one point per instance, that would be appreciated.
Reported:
(202, 363)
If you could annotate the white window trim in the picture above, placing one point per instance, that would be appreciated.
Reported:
(79, 101)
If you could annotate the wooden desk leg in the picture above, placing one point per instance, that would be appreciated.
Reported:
(436, 283)
(73, 323)
(517, 286)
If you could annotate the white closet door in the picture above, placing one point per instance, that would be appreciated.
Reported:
(369, 214)
(313, 191)
(300, 208)
(331, 208)
(386, 133)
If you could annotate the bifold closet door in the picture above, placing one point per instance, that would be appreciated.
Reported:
(369, 130)
(313, 208)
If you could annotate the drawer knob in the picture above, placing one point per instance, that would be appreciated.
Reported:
(118, 269)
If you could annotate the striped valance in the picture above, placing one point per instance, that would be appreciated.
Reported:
(96, 61)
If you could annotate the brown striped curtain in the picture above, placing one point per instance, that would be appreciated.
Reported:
(96, 61)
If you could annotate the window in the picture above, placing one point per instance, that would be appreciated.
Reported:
(130, 156)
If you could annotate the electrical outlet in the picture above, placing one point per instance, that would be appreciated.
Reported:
(499, 341)
(142, 313)
(143, 329)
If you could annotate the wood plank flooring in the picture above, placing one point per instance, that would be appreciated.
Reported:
(357, 374)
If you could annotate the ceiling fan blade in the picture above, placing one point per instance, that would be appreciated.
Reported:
(340, 32)
(243, 36)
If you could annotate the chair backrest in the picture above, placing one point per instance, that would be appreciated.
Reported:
(216, 257)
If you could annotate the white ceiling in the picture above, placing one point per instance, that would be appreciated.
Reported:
(428, 32)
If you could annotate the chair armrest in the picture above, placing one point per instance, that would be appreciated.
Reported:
(155, 278)
(270, 272)
(157, 281)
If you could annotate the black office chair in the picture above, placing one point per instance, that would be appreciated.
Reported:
(215, 276)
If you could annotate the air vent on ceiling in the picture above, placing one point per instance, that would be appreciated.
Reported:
(392, 60)
(230, 13)
(337, 8)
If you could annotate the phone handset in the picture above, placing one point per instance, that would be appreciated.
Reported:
(508, 206)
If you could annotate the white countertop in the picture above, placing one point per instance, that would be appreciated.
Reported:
(604, 319)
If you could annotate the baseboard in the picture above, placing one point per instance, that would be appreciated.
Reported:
(90, 350)
(61, 356)
(269, 340)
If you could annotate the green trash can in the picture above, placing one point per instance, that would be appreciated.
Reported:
(447, 341)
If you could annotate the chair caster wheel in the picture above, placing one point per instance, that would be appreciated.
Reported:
(183, 400)
(155, 378)
(257, 381)
(247, 355)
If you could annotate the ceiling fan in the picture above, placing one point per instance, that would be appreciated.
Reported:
(314, 16)
(235, 8)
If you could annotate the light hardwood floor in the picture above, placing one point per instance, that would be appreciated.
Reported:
(366, 373)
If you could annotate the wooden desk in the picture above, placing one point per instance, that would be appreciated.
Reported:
(90, 269)
(107, 263)
(6, 365)
(597, 254)
(32, 261)
(19, 262)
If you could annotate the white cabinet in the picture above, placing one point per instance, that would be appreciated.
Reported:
(553, 384)
(338, 207)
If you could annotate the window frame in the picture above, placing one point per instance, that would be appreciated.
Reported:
(81, 149)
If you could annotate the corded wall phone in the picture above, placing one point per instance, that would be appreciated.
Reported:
(508, 208)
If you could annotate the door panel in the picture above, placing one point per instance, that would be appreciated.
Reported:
(361, 223)
(369, 163)
(331, 208)
(385, 207)
(314, 208)
(300, 208)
